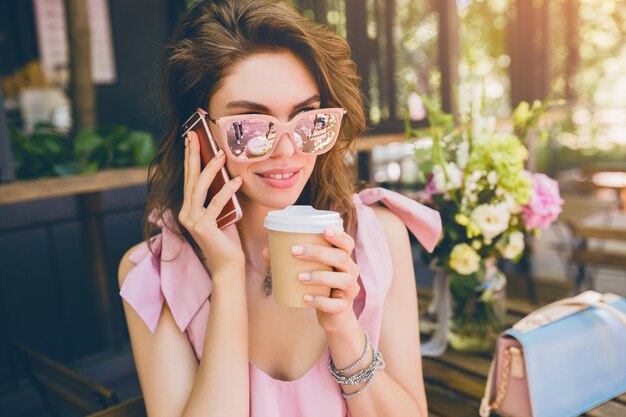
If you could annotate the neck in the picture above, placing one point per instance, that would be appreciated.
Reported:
(253, 235)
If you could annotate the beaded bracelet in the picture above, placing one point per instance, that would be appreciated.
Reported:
(355, 364)
(363, 375)
(355, 393)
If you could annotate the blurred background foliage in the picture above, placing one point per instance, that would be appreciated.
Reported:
(48, 151)
(587, 60)
(399, 50)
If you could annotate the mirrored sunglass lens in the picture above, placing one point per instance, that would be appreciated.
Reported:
(249, 139)
(317, 132)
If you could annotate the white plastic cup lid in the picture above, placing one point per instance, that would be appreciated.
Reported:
(302, 219)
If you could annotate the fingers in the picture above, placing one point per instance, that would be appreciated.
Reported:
(221, 198)
(266, 254)
(183, 214)
(339, 301)
(186, 163)
(201, 186)
(193, 169)
(337, 258)
(339, 238)
(332, 279)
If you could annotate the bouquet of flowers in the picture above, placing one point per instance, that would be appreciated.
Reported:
(475, 177)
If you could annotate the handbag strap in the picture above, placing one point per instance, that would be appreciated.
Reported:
(559, 309)
(486, 408)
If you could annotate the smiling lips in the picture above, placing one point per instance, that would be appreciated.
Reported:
(280, 177)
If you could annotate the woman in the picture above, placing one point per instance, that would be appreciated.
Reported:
(206, 339)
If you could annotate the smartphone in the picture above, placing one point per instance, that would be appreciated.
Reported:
(208, 149)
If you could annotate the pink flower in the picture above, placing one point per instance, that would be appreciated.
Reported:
(426, 196)
(545, 202)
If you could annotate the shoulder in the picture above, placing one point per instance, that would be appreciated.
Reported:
(396, 235)
(126, 265)
(391, 223)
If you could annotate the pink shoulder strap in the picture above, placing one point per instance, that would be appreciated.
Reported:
(422, 221)
(176, 276)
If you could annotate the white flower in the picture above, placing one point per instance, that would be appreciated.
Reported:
(492, 177)
(416, 107)
(491, 219)
(482, 125)
(462, 154)
(514, 247)
(464, 259)
(511, 204)
(476, 175)
(455, 177)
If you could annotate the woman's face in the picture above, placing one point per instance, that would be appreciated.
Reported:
(280, 85)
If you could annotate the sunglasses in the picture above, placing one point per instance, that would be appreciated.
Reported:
(253, 137)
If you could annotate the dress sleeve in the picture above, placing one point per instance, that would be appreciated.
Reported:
(172, 274)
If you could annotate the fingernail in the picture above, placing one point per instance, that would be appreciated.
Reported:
(219, 154)
(308, 298)
(304, 276)
(186, 141)
(297, 250)
(237, 179)
(330, 232)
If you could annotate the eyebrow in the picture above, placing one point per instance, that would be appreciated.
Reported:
(260, 107)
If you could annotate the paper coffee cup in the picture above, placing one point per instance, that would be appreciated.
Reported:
(292, 226)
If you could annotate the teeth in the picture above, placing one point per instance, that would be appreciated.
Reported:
(279, 176)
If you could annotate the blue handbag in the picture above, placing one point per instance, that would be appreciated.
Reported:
(560, 360)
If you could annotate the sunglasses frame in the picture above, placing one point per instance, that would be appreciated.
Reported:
(223, 123)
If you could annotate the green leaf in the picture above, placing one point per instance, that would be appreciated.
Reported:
(87, 141)
(462, 286)
(67, 168)
(521, 114)
(52, 145)
(92, 167)
(144, 148)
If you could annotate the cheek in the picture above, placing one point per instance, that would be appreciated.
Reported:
(235, 169)
(310, 163)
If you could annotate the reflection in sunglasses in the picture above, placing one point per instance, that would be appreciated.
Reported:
(254, 138)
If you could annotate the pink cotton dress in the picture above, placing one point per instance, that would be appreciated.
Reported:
(186, 286)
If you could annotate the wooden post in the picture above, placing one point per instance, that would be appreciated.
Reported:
(82, 90)
(356, 21)
(573, 43)
(89, 205)
(448, 54)
(529, 48)
(7, 172)
(388, 56)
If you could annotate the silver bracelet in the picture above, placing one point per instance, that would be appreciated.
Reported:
(355, 393)
(355, 364)
(363, 375)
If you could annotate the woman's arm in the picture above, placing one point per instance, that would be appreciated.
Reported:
(172, 381)
(397, 390)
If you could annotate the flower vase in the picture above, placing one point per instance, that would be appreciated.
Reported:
(478, 308)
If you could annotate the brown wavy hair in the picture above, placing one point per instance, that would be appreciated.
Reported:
(210, 38)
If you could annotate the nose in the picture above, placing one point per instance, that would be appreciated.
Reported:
(284, 148)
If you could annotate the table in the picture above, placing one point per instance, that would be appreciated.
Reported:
(455, 382)
(87, 188)
(613, 180)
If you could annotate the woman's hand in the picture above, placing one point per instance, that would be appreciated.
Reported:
(333, 312)
(222, 248)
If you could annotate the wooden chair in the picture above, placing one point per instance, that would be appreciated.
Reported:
(62, 389)
(583, 255)
(135, 407)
